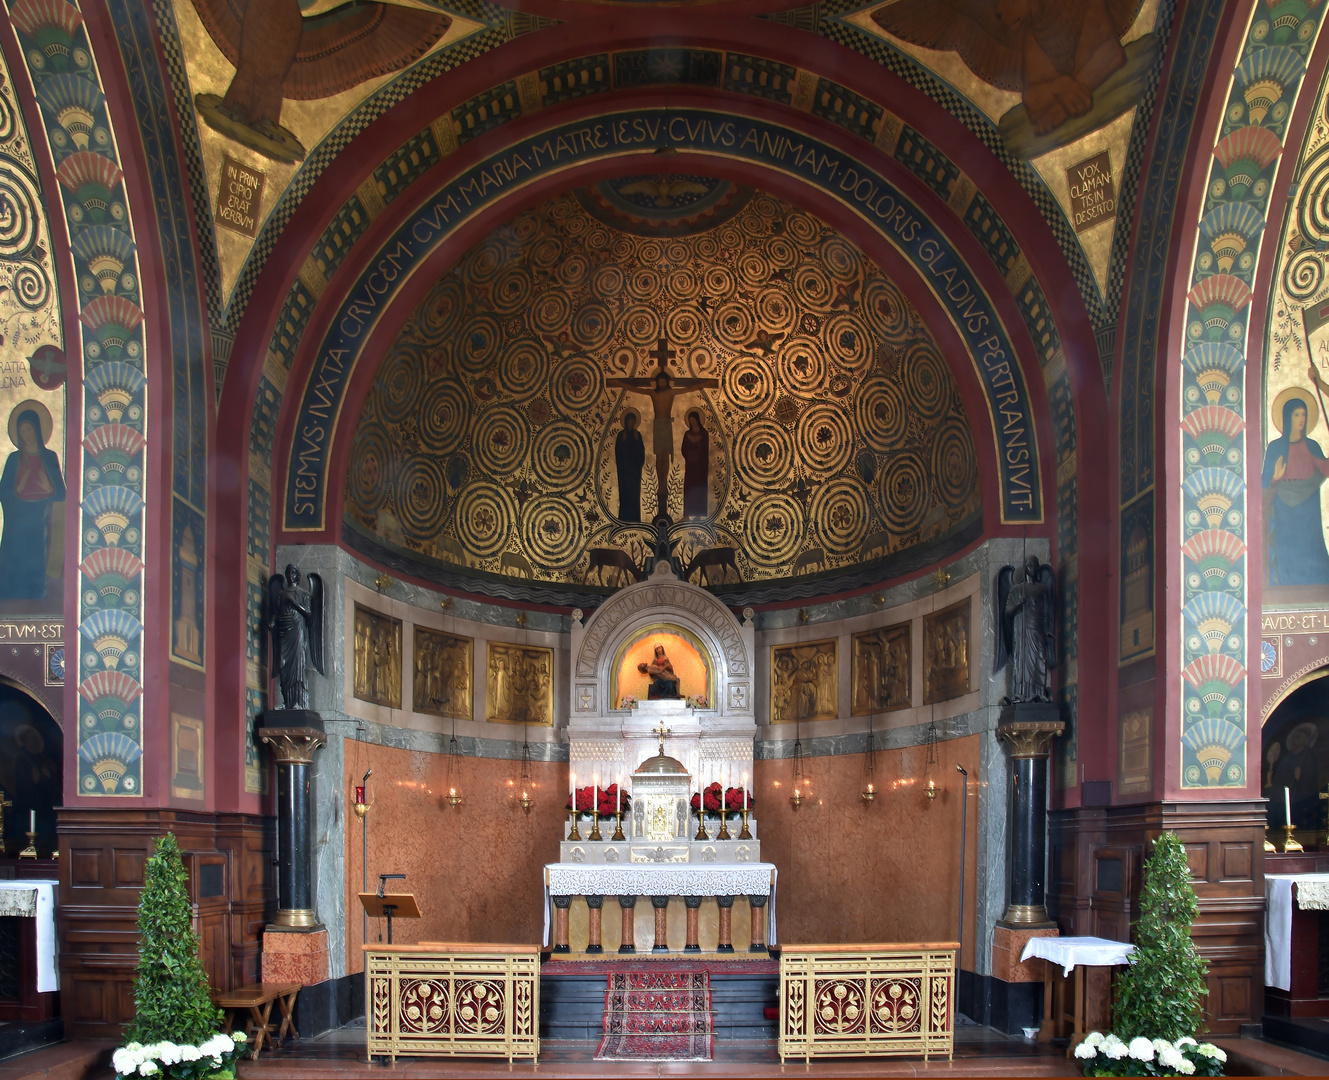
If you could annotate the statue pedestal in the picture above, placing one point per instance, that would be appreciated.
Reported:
(1029, 727)
(294, 735)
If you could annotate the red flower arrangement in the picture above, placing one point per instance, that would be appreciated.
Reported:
(600, 801)
(733, 800)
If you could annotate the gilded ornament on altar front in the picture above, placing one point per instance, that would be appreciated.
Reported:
(442, 684)
(377, 664)
(660, 819)
(946, 653)
(520, 684)
(881, 670)
(804, 682)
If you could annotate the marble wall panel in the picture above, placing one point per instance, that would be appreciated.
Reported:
(475, 870)
(888, 871)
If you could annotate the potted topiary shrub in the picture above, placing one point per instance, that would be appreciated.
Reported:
(1158, 1008)
(175, 1032)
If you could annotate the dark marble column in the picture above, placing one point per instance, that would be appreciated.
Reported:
(661, 905)
(694, 910)
(758, 904)
(1029, 728)
(595, 903)
(294, 735)
(726, 923)
(561, 906)
(628, 903)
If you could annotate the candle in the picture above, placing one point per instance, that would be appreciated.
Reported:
(1287, 806)
(745, 791)
(574, 790)
(32, 821)
(618, 793)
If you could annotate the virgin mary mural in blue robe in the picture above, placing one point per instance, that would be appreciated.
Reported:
(1295, 468)
(29, 486)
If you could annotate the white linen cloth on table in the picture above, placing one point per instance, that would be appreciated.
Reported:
(1072, 951)
(1311, 890)
(35, 898)
(679, 879)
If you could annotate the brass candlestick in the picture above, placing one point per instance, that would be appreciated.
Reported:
(573, 834)
(1289, 841)
(618, 826)
(29, 852)
(1269, 844)
(723, 834)
(702, 834)
(744, 834)
(595, 827)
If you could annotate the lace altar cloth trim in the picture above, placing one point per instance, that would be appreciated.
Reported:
(19, 902)
(1313, 893)
(582, 880)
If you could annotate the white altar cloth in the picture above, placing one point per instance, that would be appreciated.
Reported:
(35, 898)
(650, 879)
(1311, 890)
(1070, 951)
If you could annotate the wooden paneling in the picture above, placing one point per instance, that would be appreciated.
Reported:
(1224, 846)
(228, 858)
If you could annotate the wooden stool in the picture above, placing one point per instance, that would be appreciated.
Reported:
(258, 999)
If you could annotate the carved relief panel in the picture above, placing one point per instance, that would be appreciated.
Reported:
(519, 680)
(377, 662)
(946, 653)
(804, 682)
(880, 672)
(443, 681)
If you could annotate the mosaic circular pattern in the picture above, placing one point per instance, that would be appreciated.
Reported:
(764, 449)
(843, 509)
(492, 426)
(444, 415)
(575, 384)
(825, 439)
(802, 366)
(501, 440)
(19, 220)
(370, 467)
(420, 496)
(478, 343)
(882, 411)
(551, 531)
(484, 515)
(926, 381)
(953, 464)
(524, 369)
(902, 490)
(749, 384)
(398, 385)
(772, 529)
(561, 455)
(1303, 275)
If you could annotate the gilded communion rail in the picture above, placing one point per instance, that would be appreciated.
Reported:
(867, 1000)
(442, 999)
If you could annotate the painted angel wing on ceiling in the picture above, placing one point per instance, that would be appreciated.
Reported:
(279, 53)
(991, 49)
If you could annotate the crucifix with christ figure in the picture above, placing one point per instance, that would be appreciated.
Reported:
(662, 388)
(663, 733)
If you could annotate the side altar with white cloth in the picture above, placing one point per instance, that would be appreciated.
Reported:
(660, 806)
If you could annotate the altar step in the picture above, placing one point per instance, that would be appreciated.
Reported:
(572, 999)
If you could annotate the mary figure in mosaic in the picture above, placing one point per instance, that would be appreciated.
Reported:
(30, 487)
(1295, 469)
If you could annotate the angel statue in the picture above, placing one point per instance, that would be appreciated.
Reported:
(1027, 628)
(295, 621)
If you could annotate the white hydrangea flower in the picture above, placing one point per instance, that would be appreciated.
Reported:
(123, 1061)
(1094, 1038)
(1169, 1057)
(189, 1053)
(148, 1068)
(1210, 1050)
(1141, 1049)
(1186, 1066)
(1185, 1041)
(168, 1053)
(240, 1037)
(1162, 1044)
(1114, 1048)
(1086, 1050)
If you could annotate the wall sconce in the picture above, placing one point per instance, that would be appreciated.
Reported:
(869, 791)
(382, 583)
(930, 769)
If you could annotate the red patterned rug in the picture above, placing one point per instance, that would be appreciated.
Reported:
(657, 1015)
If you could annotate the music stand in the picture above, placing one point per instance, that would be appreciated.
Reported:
(385, 906)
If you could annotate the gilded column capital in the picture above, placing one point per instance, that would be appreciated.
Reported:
(293, 746)
(1030, 738)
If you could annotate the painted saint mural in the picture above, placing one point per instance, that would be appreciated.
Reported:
(715, 355)
(1295, 468)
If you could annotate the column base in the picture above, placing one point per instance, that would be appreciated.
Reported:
(295, 921)
(758, 949)
(1026, 917)
(295, 957)
(561, 949)
(724, 948)
(595, 948)
(692, 948)
(659, 948)
(627, 950)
